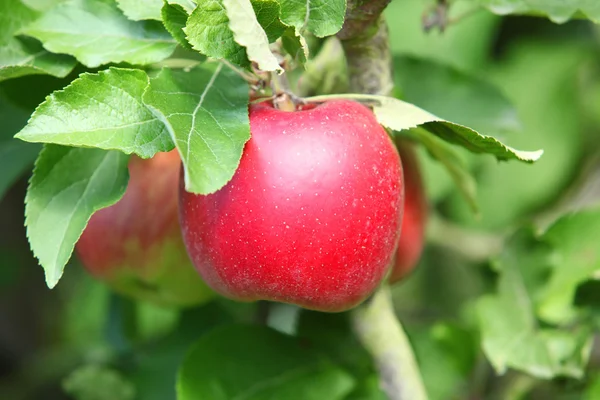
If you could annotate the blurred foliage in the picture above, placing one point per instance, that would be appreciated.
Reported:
(524, 79)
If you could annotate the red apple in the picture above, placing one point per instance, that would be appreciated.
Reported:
(412, 235)
(312, 215)
(135, 245)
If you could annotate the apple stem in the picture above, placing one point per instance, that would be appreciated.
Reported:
(378, 329)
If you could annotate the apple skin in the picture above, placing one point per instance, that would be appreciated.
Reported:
(412, 236)
(135, 245)
(312, 215)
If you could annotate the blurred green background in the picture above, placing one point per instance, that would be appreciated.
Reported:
(525, 80)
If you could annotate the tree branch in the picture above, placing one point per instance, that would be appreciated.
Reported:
(379, 330)
(364, 38)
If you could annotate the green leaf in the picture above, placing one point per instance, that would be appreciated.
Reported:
(398, 115)
(454, 164)
(15, 158)
(102, 110)
(68, 185)
(319, 17)
(96, 33)
(174, 17)
(96, 382)
(257, 363)
(205, 110)
(19, 57)
(444, 91)
(558, 11)
(576, 259)
(447, 354)
(511, 334)
(247, 32)
(208, 29)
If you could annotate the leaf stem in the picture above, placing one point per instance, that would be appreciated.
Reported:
(381, 333)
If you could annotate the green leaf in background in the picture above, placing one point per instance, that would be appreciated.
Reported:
(319, 17)
(102, 110)
(68, 186)
(575, 239)
(537, 76)
(205, 110)
(332, 335)
(157, 361)
(558, 11)
(208, 29)
(455, 95)
(248, 32)
(25, 56)
(96, 33)
(512, 337)
(446, 353)
(174, 17)
(258, 363)
(96, 382)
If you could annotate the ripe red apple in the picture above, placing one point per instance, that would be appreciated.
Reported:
(412, 234)
(135, 245)
(312, 215)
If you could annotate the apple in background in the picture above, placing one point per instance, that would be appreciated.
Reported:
(312, 215)
(412, 236)
(135, 245)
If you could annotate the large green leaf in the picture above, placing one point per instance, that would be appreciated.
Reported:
(68, 186)
(208, 28)
(25, 56)
(558, 11)
(319, 17)
(511, 334)
(257, 363)
(96, 33)
(206, 112)
(102, 110)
